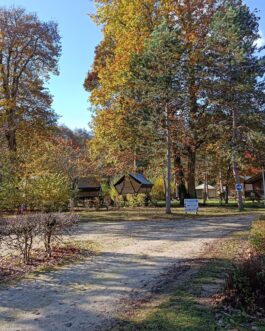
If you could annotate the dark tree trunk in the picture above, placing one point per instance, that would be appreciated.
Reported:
(179, 177)
(10, 132)
(205, 189)
(191, 173)
(226, 194)
(235, 161)
(11, 140)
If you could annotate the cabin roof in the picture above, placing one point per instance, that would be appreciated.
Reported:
(139, 178)
(88, 182)
(201, 187)
(254, 178)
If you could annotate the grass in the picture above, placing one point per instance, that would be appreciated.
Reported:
(158, 213)
(190, 305)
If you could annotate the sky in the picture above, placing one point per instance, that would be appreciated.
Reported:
(79, 39)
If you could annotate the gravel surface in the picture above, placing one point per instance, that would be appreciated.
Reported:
(135, 256)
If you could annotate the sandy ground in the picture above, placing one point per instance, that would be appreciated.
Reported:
(135, 257)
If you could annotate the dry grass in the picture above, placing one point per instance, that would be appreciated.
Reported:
(147, 214)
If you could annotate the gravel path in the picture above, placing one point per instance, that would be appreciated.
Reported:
(134, 257)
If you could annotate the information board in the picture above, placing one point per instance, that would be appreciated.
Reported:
(191, 205)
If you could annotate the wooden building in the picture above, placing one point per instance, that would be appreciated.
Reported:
(133, 184)
(254, 185)
(88, 188)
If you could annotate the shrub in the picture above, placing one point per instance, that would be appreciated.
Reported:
(49, 193)
(11, 197)
(136, 200)
(20, 232)
(245, 285)
(158, 190)
(54, 226)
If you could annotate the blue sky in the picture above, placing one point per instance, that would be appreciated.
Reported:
(79, 38)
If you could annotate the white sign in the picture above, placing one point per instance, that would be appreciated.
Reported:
(239, 187)
(191, 205)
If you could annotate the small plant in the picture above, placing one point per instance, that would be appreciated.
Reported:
(53, 227)
(137, 200)
(20, 233)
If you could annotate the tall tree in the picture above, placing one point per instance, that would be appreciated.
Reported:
(29, 51)
(236, 79)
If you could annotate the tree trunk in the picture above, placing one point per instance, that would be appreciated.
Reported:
(179, 177)
(168, 175)
(191, 173)
(221, 182)
(226, 194)
(205, 189)
(10, 132)
(263, 181)
(134, 162)
(11, 140)
(235, 163)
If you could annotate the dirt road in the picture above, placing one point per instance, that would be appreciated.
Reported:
(134, 257)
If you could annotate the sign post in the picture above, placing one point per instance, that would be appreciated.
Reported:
(239, 187)
(191, 205)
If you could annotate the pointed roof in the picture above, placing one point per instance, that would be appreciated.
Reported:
(201, 187)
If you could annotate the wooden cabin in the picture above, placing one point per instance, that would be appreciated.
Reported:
(254, 185)
(88, 188)
(133, 184)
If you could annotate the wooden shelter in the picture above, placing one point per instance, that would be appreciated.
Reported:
(88, 188)
(254, 185)
(133, 184)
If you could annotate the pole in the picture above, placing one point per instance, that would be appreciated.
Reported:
(263, 179)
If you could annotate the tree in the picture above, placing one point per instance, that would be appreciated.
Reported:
(157, 75)
(29, 52)
(236, 79)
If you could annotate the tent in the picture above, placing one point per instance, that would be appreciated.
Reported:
(133, 184)
(211, 191)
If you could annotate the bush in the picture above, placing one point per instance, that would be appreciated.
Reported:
(136, 200)
(21, 232)
(245, 285)
(11, 196)
(49, 193)
(158, 190)
(53, 226)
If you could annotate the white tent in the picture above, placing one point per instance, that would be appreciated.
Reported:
(211, 191)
